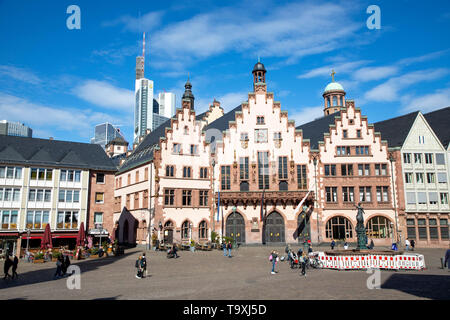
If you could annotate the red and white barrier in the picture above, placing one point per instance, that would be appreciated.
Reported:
(378, 261)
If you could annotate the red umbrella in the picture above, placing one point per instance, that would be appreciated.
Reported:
(81, 235)
(47, 238)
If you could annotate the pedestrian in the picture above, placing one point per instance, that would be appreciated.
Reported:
(447, 259)
(371, 244)
(407, 244)
(299, 252)
(14, 267)
(333, 244)
(66, 263)
(59, 264)
(138, 268)
(175, 249)
(273, 258)
(8, 264)
(224, 247)
(64, 266)
(413, 243)
(345, 245)
(229, 247)
(303, 261)
(144, 265)
(310, 250)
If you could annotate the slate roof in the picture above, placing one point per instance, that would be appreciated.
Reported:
(53, 153)
(222, 122)
(396, 130)
(439, 121)
(314, 130)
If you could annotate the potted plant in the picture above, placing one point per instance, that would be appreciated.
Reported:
(192, 245)
(93, 252)
(39, 258)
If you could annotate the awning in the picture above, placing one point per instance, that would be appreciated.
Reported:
(9, 234)
(54, 236)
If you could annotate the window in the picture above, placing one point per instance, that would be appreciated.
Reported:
(186, 172)
(277, 136)
(282, 168)
(169, 197)
(260, 135)
(301, 177)
(70, 196)
(260, 120)
(379, 227)
(331, 193)
(410, 198)
(70, 175)
(225, 171)
(430, 177)
(382, 194)
(67, 220)
(428, 158)
(193, 149)
(176, 148)
(243, 168)
(203, 173)
(136, 200)
(348, 194)
(98, 220)
(263, 170)
(186, 130)
(440, 159)
(443, 198)
(380, 169)
(411, 229)
(128, 201)
(358, 133)
(203, 230)
(41, 174)
(99, 197)
(169, 171)
(9, 219)
(444, 228)
(364, 169)
(2, 172)
(16, 195)
(407, 158)
(185, 230)
(421, 197)
(203, 199)
(146, 174)
(417, 158)
(408, 177)
(187, 197)
(442, 177)
(330, 169)
(136, 179)
(244, 136)
(345, 133)
(362, 150)
(343, 151)
(419, 177)
(365, 194)
(421, 139)
(338, 228)
(100, 178)
(335, 102)
(422, 229)
(432, 228)
(37, 219)
(39, 195)
(346, 169)
(433, 197)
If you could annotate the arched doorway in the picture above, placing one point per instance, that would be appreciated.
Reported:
(339, 228)
(303, 227)
(274, 228)
(379, 227)
(168, 232)
(236, 227)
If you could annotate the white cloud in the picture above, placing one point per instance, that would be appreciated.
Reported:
(105, 95)
(145, 23)
(46, 120)
(429, 102)
(340, 68)
(19, 74)
(374, 73)
(306, 114)
(423, 58)
(388, 91)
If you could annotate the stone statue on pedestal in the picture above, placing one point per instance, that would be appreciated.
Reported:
(360, 229)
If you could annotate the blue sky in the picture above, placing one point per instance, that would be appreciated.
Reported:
(62, 82)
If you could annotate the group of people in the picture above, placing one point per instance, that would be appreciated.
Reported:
(227, 246)
(409, 244)
(62, 264)
(301, 257)
(141, 266)
(370, 246)
(10, 263)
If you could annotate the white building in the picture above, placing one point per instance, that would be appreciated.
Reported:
(15, 129)
(166, 102)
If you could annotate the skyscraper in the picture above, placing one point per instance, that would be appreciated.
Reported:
(15, 129)
(105, 133)
(166, 101)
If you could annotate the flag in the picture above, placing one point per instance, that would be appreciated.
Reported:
(218, 206)
(262, 206)
(297, 210)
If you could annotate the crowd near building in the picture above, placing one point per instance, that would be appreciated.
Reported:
(240, 174)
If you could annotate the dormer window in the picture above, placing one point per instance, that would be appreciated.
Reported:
(260, 120)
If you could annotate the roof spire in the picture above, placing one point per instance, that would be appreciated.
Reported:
(332, 75)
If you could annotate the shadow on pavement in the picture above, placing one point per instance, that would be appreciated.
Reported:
(44, 275)
(435, 287)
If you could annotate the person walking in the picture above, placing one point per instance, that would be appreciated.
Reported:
(407, 244)
(59, 264)
(345, 245)
(7, 266)
(447, 259)
(413, 243)
(303, 261)
(144, 265)
(64, 266)
(371, 244)
(175, 249)
(14, 267)
(138, 268)
(274, 257)
(66, 263)
(333, 244)
(224, 247)
(229, 247)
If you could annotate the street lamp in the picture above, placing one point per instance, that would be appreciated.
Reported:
(160, 229)
(234, 224)
(28, 238)
(392, 159)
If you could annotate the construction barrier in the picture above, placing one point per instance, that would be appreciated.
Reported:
(377, 261)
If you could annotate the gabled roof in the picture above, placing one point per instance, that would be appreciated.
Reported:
(396, 130)
(439, 121)
(314, 130)
(53, 153)
(222, 122)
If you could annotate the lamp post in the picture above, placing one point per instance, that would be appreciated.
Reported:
(28, 238)
(315, 197)
(234, 224)
(160, 229)
(392, 160)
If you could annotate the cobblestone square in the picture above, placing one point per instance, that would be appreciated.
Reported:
(209, 275)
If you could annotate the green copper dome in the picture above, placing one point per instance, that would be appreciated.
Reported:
(333, 86)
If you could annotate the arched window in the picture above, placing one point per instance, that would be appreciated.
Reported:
(203, 230)
(379, 227)
(185, 230)
(335, 101)
(339, 228)
(329, 102)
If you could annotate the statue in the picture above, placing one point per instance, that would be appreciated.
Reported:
(360, 229)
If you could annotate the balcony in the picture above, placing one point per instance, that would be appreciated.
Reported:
(254, 197)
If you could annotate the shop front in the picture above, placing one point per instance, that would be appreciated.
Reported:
(98, 236)
(8, 243)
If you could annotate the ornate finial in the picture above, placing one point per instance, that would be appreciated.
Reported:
(332, 75)
(292, 155)
(234, 155)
